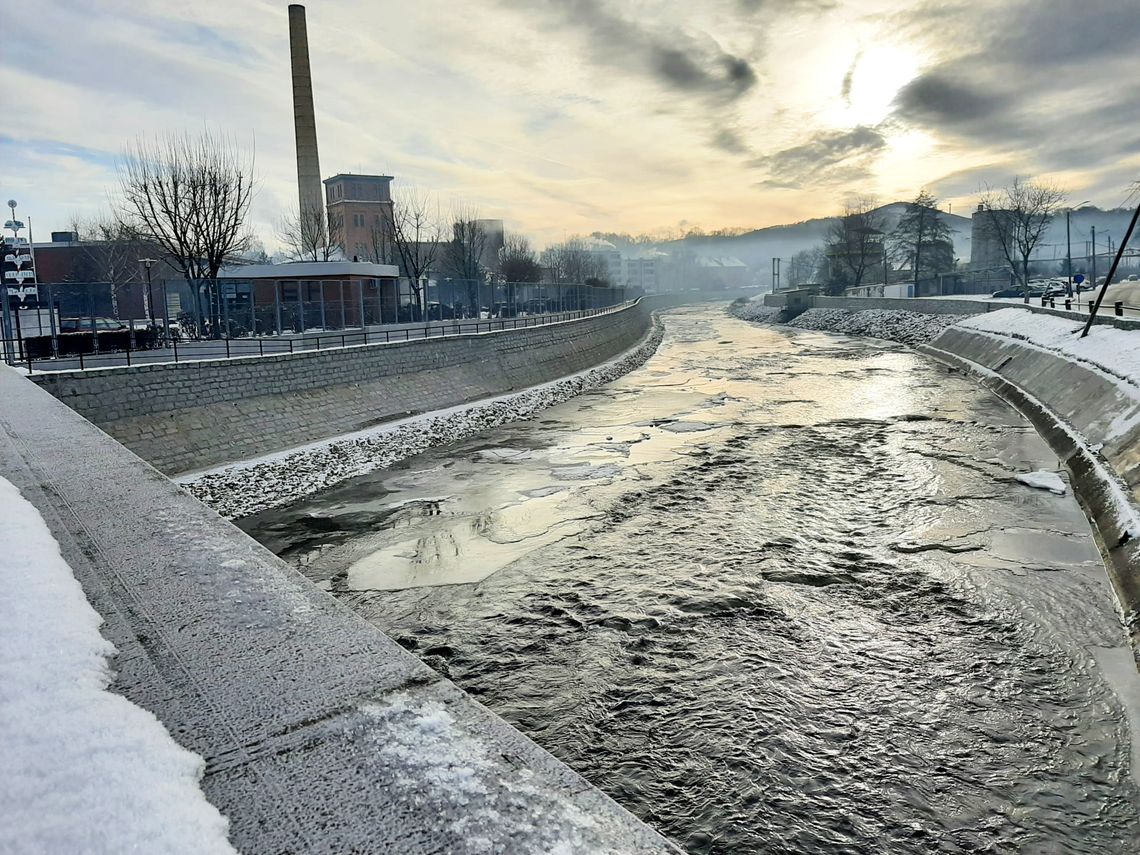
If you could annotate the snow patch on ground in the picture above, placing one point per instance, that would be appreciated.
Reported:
(274, 480)
(1043, 480)
(891, 324)
(442, 765)
(85, 770)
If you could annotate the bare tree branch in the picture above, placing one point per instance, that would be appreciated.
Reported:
(1018, 216)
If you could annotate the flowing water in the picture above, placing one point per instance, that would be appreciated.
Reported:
(774, 591)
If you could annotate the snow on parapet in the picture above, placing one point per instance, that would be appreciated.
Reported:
(85, 770)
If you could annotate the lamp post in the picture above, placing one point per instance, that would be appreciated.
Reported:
(147, 262)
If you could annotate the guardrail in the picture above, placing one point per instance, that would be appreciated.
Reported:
(18, 352)
(1119, 307)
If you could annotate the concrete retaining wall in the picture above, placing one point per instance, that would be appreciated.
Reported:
(192, 415)
(320, 734)
(1077, 409)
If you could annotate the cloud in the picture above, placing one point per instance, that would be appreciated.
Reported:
(675, 59)
(938, 99)
(849, 78)
(1020, 84)
(828, 158)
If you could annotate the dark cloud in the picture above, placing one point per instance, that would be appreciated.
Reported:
(675, 59)
(786, 5)
(1048, 84)
(848, 78)
(938, 99)
(829, 158)
(728, 139)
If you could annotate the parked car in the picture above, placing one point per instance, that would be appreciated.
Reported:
(1019, 291)
(76, 325)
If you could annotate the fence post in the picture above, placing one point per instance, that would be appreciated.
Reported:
(174, 341)
(227, 346)
(290, 345)
(260, 347)
(1119, 308)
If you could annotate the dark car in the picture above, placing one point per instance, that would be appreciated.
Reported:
(74, 325)
(1034, 291)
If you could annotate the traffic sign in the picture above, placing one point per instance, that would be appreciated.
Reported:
(1079, 278)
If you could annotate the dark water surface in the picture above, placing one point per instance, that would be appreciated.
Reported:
(773, 592)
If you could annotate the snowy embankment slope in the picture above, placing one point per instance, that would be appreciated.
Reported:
(890, 324)
(753, 310)
(1113, 351)
(274, 480)
(84, 770)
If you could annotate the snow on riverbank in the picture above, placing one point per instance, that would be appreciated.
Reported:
(85, 770)
(753, 310)
(1113, 351)
(905, 327)
(245, 488)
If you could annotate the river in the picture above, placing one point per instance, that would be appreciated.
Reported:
(775, 591)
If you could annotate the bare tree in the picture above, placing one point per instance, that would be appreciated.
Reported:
(190, 195)
(1018, 216)
(463, 257)
(109, 250)
(808, 266)
(855, 242)
(311, 235)
(572, 261)
(417, 231)
(517, 260)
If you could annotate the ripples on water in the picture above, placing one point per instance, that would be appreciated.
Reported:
(827, 623)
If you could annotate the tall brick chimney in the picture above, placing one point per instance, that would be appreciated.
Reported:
(310, 196)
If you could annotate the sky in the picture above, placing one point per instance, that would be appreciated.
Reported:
(571, 116)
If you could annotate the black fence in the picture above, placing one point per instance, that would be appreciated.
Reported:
(103, 348)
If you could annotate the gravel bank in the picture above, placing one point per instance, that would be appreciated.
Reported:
(905, 327)
(245, 488)
(753, 310)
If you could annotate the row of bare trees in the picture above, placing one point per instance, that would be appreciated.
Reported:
(858, 244)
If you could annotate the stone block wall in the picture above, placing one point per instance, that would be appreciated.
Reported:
(193, 415)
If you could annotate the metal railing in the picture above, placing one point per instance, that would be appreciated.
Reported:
(1118, 308)
(93, 349)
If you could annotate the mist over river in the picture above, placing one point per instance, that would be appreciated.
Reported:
(775, 591)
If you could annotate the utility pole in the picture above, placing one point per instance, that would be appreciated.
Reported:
(1111, 271)
(1068, 254)
(1094, 283)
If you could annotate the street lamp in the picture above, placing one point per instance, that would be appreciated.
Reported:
(147, 262)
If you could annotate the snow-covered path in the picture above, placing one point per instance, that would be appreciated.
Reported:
(84, 770)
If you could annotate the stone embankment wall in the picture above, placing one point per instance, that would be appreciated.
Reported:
(193, 415)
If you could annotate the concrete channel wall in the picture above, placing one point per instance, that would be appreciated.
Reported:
(320, 734)
(1083, 416)
(193, 415)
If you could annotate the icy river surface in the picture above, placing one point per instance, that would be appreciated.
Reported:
(775, 591)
